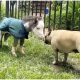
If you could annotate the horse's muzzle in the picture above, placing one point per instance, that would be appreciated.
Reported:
(42, 38)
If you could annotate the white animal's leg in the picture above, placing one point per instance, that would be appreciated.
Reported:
(14, 47)
(56, 58)
(65, 57)
(78, 48)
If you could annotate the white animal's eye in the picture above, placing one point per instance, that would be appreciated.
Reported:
(38, 28)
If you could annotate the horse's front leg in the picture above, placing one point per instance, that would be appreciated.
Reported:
(21, 48)
(14, 47)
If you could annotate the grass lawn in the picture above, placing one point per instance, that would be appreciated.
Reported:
(37, 62)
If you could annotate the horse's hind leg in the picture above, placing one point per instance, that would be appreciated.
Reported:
(1, 36)
(6, 35)
(14, 47)
(21, 48)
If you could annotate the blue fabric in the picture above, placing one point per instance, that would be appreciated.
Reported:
(14, 26)
(46, 11)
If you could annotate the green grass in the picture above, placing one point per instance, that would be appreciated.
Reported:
(37, 63)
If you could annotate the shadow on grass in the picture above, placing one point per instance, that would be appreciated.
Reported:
(4, 49)
(67, 67)
(45, 59)
(61, 67)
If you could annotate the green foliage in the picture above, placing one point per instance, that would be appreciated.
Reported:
(2, 9)
(69, 17)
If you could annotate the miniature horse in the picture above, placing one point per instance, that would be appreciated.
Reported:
(20, 29)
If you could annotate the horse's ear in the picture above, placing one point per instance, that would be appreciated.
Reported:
(36, 20)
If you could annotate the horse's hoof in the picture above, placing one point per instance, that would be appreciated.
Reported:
(23, 53)
(14, 55)
(55, 63)
(21, 50)
(64, 62)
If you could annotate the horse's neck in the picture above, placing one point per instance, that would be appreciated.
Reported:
(27, 26)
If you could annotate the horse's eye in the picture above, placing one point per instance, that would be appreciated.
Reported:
(38, 28)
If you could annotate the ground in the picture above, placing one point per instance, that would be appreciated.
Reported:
(37, 62)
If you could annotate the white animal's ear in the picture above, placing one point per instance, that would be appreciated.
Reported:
(47, 32)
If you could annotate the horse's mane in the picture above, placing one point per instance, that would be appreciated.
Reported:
(31, 18)
(33, 21)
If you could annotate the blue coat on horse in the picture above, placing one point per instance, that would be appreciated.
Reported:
(15, 27)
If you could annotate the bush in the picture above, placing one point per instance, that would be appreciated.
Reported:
(2, 9)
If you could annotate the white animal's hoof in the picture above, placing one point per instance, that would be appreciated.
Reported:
(55, 63)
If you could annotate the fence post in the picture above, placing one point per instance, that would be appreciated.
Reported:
(0, 31)
(12, 10)
(60, 20)
(79, 17)
(21, 9)
(44, 12)
(29, 8)
(18, 9)
(49, 15)
(32, 7)
(0, 10)
(36, 8)
(55, 4)
(67, 27)
(7, 8)
(12, 3)
(73, 22)
(26, 8)
(40, 8)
